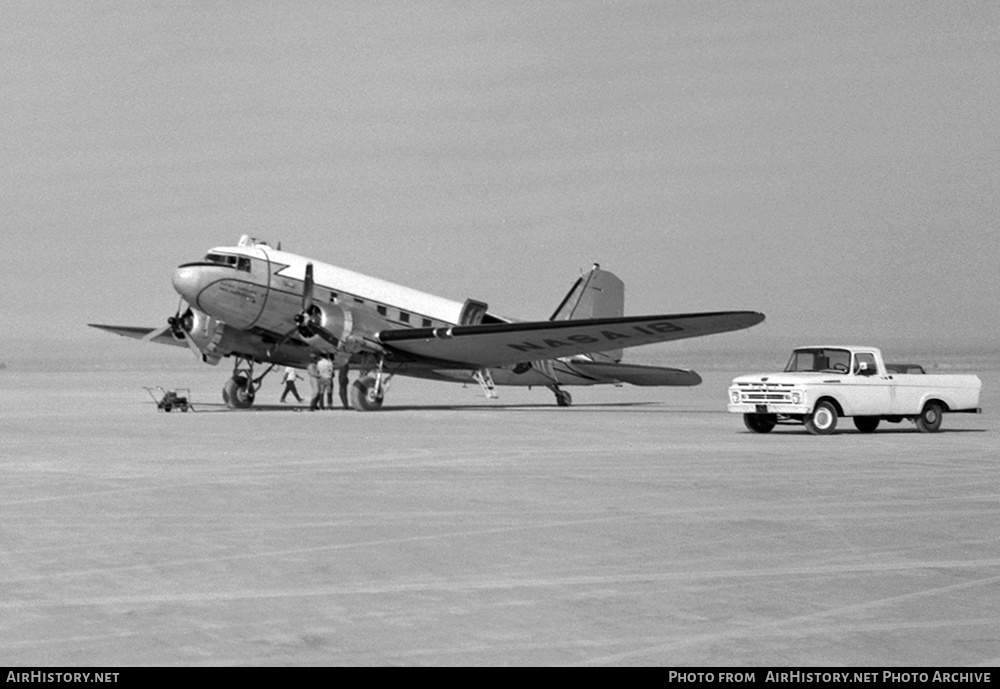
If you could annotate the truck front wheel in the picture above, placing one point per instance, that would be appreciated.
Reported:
(930, 418)
(760, 423)
(823, 420)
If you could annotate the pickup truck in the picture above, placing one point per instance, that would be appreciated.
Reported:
(821, 384)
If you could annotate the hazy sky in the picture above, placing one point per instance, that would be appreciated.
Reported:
(832, 164)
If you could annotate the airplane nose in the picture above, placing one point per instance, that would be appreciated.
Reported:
(187, 282)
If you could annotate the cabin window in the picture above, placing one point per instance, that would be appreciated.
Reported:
(403, 316)
(381, 310)
(426, 323)
(243, 263)
(358, 301)
(333, 296)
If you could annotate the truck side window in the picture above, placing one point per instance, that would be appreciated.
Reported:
(864, 358)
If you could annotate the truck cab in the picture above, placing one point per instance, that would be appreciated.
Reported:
(823, 383)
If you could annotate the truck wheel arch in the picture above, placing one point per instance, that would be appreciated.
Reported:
(832, 400)
(934, 400)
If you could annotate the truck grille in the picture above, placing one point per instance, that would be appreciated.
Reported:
(764, 392)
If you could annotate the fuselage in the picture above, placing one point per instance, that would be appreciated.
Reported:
(252, 286)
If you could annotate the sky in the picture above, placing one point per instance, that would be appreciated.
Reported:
(834, 165)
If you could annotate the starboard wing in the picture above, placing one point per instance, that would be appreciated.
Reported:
(483, 346)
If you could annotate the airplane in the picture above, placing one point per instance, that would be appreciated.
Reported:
(261, 305)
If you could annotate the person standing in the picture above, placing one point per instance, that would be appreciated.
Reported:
(291, 375)
(316, 402)
(325, 368)
(342, 385)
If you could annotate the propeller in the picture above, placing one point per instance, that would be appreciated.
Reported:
(180, 327)
(307, 323)
(304, 319)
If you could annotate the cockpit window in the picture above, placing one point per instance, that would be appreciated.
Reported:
(224, 259)
(819, 360)
(238, 262)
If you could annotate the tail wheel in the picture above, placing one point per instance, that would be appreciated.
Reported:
(823, 420)
(930, 418)
(364, 395)
(866, 424)
(237, 393)
(564, 399)
(760, 423)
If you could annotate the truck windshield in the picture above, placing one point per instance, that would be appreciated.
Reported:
(816, 360)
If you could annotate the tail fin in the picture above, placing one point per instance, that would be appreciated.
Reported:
(598, 294)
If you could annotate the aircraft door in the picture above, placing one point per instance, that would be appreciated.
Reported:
(260, 279)
(472, 313)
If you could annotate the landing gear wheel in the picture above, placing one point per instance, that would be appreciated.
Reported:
(364, 395)
(237, 393)
(930, 418)
(760, 423)
(563, 399)
(823, 420)
(866, 424)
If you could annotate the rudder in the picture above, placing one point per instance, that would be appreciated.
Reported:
(598, 294)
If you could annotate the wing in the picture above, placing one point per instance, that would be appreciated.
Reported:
(483, 346)
(158, 335)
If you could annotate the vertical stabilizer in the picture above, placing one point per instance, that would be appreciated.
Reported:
(598, 294)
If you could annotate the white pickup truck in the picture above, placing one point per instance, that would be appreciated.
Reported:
(820, 384)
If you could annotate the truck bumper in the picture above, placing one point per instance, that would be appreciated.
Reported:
(787, 409)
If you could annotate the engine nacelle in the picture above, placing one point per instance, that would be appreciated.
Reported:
(329, 327)
(211, 336)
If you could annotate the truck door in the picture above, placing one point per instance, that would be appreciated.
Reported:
(871, 393)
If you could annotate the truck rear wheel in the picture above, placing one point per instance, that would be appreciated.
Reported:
(823, 420)
(930, 418)
(760, 423)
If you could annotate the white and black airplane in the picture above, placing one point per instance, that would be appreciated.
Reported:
(261, 305)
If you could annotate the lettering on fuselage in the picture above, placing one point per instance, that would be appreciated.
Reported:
(598, 337)
(241, 290)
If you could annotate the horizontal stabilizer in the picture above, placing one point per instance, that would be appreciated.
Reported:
(500, 344)
(633, 374)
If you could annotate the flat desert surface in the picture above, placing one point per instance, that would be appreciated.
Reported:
(638, 527)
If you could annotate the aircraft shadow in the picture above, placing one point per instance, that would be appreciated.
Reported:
(216, 407)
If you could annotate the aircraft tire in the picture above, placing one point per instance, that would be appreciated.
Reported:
(236, 394)
(930, 418)
(363, 397)
(760, 423)
(823, 420)
(564, 399)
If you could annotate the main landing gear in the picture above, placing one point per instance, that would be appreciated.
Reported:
(563, 398)
(240, 390)
(368, 392)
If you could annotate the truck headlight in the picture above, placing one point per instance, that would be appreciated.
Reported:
(796, 397)
(734, 395)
